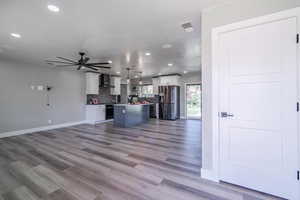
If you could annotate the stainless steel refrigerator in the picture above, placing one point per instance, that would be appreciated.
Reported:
(169, 102)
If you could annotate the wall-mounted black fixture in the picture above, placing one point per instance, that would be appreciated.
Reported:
(48, 89)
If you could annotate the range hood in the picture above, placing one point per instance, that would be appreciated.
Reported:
(104, 81)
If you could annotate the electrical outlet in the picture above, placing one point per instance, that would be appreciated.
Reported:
(49, 121)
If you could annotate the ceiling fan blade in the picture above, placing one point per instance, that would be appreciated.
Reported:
(67, 59)
(56, 61)
(98, 66)
(104, 67)
(91, 68)
(105, 63)
(64, 65)
(79, 67)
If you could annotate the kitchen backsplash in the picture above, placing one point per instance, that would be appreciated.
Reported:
(103, 97)
(150, 99)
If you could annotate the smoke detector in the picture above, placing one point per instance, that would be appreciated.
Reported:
(188, 27)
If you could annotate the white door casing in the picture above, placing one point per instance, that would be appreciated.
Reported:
(255, 77)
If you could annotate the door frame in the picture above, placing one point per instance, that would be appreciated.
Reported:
(214, 173)
(185, 96)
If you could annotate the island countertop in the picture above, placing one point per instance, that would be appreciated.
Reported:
(133, 104)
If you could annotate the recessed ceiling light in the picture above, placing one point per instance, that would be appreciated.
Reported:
(170, 64)
(135, 76)
(185, 72)
(167, 46)
(118, 72)
(16, 35)
(159, 74)
(140, 82)
(53, 8)
(148, 54)
(109, 61)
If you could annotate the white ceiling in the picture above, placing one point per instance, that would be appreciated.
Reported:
(117, 30)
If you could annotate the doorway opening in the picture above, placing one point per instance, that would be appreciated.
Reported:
(193, 101)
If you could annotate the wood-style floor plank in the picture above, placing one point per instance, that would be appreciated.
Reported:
(159, 160)
(21, 193)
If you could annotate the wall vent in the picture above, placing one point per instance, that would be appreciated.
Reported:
(188, 27)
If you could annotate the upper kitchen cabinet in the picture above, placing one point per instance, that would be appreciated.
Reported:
(169, 80)
(92, 83)
(115, 83)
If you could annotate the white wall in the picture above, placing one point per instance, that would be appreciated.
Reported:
(236, 10)
(22, 108)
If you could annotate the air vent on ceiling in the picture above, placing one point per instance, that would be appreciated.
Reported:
(188, 27)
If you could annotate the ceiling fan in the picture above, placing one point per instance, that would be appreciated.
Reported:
(81, 63)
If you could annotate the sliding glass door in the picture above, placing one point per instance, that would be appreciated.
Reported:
(193, 101)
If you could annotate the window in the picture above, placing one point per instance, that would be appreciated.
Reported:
(146, 91)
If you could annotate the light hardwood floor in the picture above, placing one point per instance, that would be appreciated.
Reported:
(160, 160)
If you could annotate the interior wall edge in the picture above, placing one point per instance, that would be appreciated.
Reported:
(209, 174)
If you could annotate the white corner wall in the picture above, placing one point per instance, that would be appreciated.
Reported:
(22, 108)
(233, 11)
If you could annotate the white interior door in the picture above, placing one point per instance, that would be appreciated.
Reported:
(258, 72)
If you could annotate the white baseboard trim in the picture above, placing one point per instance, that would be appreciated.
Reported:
(209, 175)
(99, 122)
(43, 128)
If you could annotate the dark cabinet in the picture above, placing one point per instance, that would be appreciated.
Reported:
(109, 112)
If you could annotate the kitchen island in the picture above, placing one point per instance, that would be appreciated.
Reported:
(127, 115)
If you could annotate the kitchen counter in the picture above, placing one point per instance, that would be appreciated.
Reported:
(127, 115)
(95, 113)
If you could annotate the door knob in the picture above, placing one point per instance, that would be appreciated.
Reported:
(225, 115)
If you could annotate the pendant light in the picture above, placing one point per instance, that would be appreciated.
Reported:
(140, 81)
(128, 77)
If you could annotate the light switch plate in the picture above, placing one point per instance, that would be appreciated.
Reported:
(40, 88)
